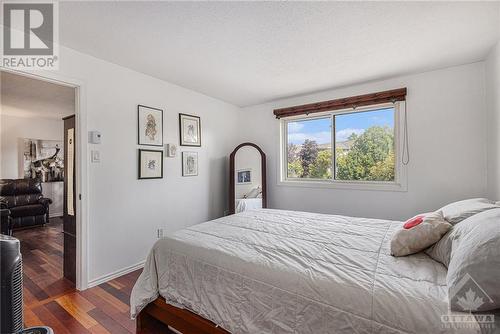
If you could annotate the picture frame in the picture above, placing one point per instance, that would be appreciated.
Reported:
(149, 126)
(150, 164)
(189, 163)
(189, 130)
(244, 176)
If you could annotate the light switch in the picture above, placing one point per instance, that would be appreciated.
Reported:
(95, 156)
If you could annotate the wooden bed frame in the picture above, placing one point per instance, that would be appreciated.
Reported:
(181, 320)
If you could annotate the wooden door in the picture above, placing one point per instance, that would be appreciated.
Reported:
(69, 206)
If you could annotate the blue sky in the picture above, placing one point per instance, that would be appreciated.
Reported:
(319, 129)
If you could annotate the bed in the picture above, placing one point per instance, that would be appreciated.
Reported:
(275, 271)
(244, 204)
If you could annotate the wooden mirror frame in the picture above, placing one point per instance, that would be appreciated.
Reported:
(232, 208)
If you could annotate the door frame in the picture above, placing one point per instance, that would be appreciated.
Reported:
(82, 164)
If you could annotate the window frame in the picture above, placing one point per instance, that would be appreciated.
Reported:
(400, 172)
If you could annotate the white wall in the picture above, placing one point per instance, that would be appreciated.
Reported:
(492, 68)
(124, 211)
(447, 118)
(13, 128)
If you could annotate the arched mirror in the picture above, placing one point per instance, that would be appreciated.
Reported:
(247, 178)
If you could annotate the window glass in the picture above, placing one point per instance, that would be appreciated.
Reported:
(364, 146)
(309, 148)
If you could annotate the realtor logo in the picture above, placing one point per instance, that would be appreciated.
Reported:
(468, 296)
(30, 35)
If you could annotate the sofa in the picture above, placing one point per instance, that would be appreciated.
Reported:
(25, 202)
(5, 219)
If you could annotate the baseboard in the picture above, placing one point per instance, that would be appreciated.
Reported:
(55, 214)
(115, 274)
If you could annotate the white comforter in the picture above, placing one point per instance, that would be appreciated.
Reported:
(272, 271)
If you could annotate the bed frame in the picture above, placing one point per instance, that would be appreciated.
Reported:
(182, 320)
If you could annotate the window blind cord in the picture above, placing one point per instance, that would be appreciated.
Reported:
(405, 157)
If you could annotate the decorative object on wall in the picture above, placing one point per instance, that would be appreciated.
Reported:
(70, 179)
(150, 164)
(189, 164)
(42, 159)
(149, 126)
(189, 130)
(244, 176)
(170, 150)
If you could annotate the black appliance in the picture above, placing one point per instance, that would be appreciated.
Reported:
(11, 302)
(11, 294)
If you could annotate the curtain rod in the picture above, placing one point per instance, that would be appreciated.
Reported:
(393, 95)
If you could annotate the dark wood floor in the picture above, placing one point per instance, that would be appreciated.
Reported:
(51, 300)
(42, 250)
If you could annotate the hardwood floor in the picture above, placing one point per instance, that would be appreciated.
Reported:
(51, 300)
(42, 250)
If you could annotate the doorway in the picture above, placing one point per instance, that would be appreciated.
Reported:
(34, 149)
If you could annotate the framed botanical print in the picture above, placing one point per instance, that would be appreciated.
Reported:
(150, 164)
(189, 130)
(149, 126)
(189, 163)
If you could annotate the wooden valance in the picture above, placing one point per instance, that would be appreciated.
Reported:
(344, 103)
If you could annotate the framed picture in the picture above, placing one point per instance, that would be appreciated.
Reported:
(170, 150)
(150, 164)
(42, 159)
(149, 126)
(189, 164)
(189, 130)
(244, 176)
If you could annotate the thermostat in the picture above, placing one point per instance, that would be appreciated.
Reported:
(94, 137)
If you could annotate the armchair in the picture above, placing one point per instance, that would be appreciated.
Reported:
(24, 199)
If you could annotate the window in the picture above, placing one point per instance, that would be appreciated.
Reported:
(343, 148)
(309, 148)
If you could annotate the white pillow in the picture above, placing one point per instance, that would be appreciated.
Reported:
(441, 250)
(253, 193)
(419, 237)
(457, 211)
(474, 267)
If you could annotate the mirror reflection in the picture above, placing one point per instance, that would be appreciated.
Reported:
(248, 179)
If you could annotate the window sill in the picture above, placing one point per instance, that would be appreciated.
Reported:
(372, 186)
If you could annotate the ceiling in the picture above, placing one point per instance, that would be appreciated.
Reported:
(248, 53)
(26, 97)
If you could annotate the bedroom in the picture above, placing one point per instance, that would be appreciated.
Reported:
(232, 65)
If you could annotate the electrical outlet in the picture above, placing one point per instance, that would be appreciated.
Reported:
(159, 233)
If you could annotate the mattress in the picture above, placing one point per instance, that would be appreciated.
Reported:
(275, 271)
